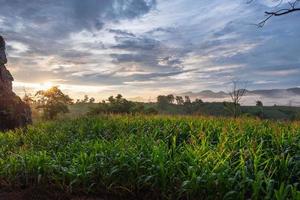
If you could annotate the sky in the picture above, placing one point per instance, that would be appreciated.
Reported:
(142, 48)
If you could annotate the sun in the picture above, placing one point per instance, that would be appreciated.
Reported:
(46, 85)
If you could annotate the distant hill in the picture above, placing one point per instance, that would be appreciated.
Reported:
(205, 94)
(276, 92)
(272, 93)
(284, 97)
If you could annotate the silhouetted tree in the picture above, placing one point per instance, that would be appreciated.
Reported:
(198, 101)
(119, 105)
(259, 103)
(179, 100)
(92, 100)
(52, 101)
(236, 94)
(171, 98)
(28, 98)
(187, 100)
(119, 97)
(85, 99)
(162, 101)
(111, 99)
(261, 107)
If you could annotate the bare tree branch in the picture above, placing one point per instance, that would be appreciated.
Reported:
(292, 7)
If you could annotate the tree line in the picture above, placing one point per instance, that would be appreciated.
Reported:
(53, 102)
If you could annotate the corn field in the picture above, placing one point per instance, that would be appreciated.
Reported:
(157, 157)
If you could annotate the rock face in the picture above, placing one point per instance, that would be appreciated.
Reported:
(14, 113)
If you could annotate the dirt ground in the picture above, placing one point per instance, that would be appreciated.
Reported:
(48, 194)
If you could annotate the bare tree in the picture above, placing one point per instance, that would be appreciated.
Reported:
(282, 8)
(236, 93)
(27, 98)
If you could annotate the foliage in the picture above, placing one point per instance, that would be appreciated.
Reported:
(52, 101)
(120, 105)
(163, 101)
(158, 156)
(85, 100)
(187, 100)
(179, 100)
(197, 107)
(92, 100)
(259, 103)
(28, 99)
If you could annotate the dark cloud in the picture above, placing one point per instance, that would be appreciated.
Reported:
(121, 32)
(104, 42)
(170, 61)
(149, 53)
(72, 14)
(133, 43)
(113, 79)
(44, 25)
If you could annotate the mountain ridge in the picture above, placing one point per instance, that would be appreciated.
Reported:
(279, 93)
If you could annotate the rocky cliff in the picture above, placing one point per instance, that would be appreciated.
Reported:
(14, 113)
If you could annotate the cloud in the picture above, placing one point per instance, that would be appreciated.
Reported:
(70, 14)
(142, 45)
(121, 32)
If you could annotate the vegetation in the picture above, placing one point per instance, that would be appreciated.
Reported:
(157, 157)
(120, 105)
(52, 101)
(170, 105)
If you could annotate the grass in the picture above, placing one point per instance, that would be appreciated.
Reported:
(160, 157)
(206, 109)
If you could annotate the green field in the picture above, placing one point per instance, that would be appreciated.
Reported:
(156, 157)
(282, 113)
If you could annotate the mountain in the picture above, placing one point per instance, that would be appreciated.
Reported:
(272, 93)
(276, 93)
(205, 94)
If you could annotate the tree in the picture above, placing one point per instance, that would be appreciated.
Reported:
(162, 101)
(236, 94)
(28, 98)
(52, 101)
(198, 101)
(261, 109)
(179, 100)
(171, 98)
(282, 8)
(85, 99)
(118, 105)
(259, 103)
(187, 100)
(119, 97)
(111, 99)
(92, 100)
